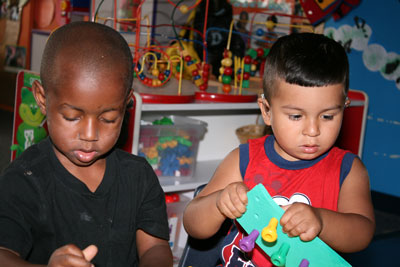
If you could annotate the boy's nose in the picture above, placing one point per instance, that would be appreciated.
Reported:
(311, 128)
(89, 130)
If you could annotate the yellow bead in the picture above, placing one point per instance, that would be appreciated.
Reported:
(155, 72)
(184, 9)
(226, 62)
(270, 25)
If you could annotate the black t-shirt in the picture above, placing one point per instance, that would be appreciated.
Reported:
(44, 207)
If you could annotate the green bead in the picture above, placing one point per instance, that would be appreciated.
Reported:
(266, 52)
(252, 53)
(226, 79)
(245, 84)
(247, 67)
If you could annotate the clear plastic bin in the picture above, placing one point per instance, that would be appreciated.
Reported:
(171, 149)
(175, 214)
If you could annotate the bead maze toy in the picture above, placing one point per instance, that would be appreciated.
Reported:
(283, 250)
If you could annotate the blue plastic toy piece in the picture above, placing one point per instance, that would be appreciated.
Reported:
(261, 209)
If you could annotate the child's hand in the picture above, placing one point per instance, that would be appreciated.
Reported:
(301, 220)
(232, 201)
(71, 255)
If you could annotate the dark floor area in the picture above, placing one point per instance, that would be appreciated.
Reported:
(382, 252)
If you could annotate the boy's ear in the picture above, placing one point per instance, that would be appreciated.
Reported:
(265, 110)
(129, 97)
(40, 96)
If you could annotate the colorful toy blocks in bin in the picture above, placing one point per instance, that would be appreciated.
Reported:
(170, 144)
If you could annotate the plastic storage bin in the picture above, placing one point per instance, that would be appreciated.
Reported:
(171, 149)
(175, 214)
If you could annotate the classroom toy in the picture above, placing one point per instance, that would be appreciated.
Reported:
(170, 144)
(269, 233)
(285, 250)
(247, 243)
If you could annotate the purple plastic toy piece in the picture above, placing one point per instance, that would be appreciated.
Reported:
(247, 243)
(304, 263)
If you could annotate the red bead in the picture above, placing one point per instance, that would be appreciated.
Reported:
(168, 198)
(205, 73)
(228, 71)
(226, 88)
(161, 76)
(226, 53)
(150, 82)
(175, 197)
(260, 52)
(206, 67)
(205, 78)
(247, 60)
(146, 80)
(246, 76)
(195, 72)
(203, 87)
(188, 58)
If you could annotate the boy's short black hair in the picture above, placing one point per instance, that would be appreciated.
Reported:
(89, 44)
(306, 59)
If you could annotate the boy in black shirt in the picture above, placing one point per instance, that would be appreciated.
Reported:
(74, 200)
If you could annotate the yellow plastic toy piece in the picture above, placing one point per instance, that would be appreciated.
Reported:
(269, 233)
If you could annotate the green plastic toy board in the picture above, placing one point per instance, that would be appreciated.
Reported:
(261, 209)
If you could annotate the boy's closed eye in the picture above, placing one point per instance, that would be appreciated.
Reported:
(295, 117)
(328, 117)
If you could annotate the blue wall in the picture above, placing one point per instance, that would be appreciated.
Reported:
(374, 70)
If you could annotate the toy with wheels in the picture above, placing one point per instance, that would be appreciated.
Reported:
(262, 216)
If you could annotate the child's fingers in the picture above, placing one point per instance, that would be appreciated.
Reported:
(242, 193)
(90, 252)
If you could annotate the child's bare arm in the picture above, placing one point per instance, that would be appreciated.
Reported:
(348, 230)
(153, 251)
(224, 196)
(353, 227)
(12, 259)
(68, 255)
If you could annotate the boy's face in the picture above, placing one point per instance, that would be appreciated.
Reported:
(85, 114)
(305, 120)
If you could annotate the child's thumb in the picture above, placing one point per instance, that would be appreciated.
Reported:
(90, 252)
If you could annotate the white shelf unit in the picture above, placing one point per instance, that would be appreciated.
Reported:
(220, 138)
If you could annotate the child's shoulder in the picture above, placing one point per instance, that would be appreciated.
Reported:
(32, 158)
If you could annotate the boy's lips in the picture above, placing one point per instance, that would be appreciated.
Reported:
(309, 149)
(85, 156)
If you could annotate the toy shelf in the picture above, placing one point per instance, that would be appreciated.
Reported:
(199, 106)
(203, 172)
(222, 120)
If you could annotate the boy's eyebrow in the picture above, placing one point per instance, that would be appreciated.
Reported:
(81, 110)
(300, 109)
(65, 105)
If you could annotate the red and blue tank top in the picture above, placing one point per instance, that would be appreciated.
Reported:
(315, 182)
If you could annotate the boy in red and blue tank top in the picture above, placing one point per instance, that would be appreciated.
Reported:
(323, 190)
